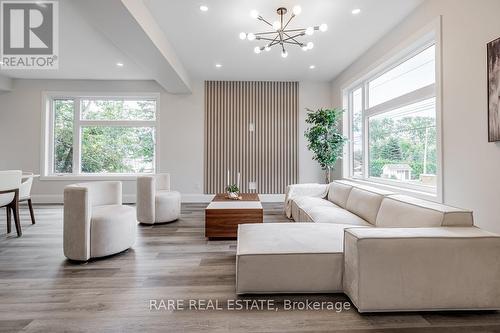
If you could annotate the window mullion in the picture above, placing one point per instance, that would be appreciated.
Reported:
(404, 100)
(119, 123)
(77, 132)
(51, 155)
(351, 134)
(364, 131)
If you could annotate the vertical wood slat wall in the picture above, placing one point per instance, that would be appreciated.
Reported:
(268, 154)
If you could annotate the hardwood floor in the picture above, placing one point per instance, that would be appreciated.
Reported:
(40, 291)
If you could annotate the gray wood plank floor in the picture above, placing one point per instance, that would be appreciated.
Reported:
(40, 291)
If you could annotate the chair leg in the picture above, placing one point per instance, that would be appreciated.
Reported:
(31, 211)
(15, 209)
(9, 224)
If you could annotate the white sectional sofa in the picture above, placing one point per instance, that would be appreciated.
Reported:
(387, 252)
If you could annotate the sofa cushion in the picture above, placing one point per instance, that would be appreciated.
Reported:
(309, 202)
(338, 193)
(301, 205)
(404, 211)
(335, 215)
(365, 202)
(289, 258)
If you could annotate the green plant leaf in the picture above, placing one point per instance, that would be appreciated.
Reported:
(324, 137)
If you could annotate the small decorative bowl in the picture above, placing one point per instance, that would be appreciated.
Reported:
(233, 196)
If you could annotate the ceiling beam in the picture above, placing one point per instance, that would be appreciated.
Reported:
(129, 25)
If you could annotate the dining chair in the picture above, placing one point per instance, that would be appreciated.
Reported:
(10, 181)
(25, 192)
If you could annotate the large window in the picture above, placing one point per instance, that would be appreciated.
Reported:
(393, 124)
(100, 135)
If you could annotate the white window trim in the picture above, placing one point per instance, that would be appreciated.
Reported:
(430, 34)
(47, 132)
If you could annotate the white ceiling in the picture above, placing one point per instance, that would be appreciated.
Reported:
(84, 52)
(202, 39)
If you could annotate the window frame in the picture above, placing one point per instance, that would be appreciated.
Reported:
(428, 36)
(47, 149)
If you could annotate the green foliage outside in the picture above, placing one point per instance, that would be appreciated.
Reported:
(118, 109)
(63, 136)
(405, 140)
(105, 149)
(325, 139)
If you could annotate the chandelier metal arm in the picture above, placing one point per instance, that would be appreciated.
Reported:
(264, 33)
(293, 38)
(295, 30)
(264, 20)
(292, 43)
(271, 39)
(284, 42)
(274, 40)
(286, 25)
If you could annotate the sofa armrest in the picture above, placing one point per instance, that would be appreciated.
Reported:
(76, 229)
(145, 202)
(310, 190)
(412, 269)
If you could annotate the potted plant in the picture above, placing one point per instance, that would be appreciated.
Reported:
(325, 138)
(233, 192)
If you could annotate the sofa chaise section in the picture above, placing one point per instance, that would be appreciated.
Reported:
(289, 258)
(422, 269)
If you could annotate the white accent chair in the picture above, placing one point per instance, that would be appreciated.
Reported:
(25, 192)
(156, 203)
(96, 224)
(10, 181)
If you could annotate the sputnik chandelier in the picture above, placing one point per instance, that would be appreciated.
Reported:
(281, 35)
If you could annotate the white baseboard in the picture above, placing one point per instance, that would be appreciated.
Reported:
(272, 197)
(130, 198)
(47, 198)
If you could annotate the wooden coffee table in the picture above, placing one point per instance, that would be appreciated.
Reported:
(223, 215)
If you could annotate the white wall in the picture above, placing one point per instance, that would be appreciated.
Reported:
(181, 131)
(5, 84)
(312, 95)
(471, 165)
